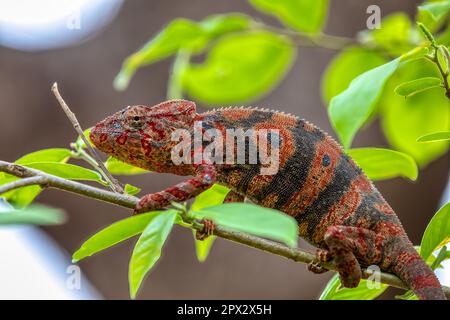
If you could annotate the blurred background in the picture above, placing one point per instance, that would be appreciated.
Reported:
(37, 49)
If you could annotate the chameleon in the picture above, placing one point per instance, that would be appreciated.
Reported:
(337, 208)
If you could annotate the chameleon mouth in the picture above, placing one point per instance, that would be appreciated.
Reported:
(99, 135)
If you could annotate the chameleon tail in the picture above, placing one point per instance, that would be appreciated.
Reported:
(411, 268)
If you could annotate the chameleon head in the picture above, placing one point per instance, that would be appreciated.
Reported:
(141, 135)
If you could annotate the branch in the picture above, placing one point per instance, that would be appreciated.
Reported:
(305, 40)
(112, 182)
(119, 199)
(37, 180)
(130, 202)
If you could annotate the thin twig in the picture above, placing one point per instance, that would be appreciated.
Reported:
(306, 40)
(239, 237)
(37, 180)
(113, 183)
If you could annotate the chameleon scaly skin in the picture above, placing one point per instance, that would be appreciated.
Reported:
(336, 206)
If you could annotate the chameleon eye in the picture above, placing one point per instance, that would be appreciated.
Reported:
(326, 160)
(136, 121)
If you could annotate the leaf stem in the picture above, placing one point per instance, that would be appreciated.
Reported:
(130, 202)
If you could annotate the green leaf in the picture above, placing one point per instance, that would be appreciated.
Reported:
(252, 219)
(220, 24)
(379, 164)
(132, 190)
(180, 34)
(66, 171)
(334, 291)
(441, 257)
(36, 214)
(403, 120)
(396, 34)
(436, 9)
(410, 88)
(22, 197)
(427, 34)
(118, 167)
(437, 233)
(426, 17)
(46, 155)
(443, 55)
(148, 248)
(115, 233)
(444, 36)
(80, 143)
(203, 247)
(211, 197)
(350, 109)
(303, 15)
(435, 136)
(346, 66)
(240, 67)
(408, 295)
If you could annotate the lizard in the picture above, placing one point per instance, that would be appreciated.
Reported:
(337, 208)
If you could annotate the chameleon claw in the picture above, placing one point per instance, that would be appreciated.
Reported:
(144, 205)
(138, 209)
(208, 230)
(316, 268)
(323, 255)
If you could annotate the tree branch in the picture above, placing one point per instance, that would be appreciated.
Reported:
(37, 180)
(129, 202)
(119, 199)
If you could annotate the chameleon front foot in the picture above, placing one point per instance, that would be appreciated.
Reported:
(316, 268)
(321, 256)
(147, 203)
(208, 229)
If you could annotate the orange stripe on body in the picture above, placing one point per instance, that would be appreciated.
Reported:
(342, 210)
(287, 147)
(384, 208)
(319, 176)
(389, 228)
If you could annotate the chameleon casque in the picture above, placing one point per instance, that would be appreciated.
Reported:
(337, 207)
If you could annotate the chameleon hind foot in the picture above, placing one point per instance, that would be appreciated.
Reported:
(208, 229)
(349, 245)
(341, 244)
